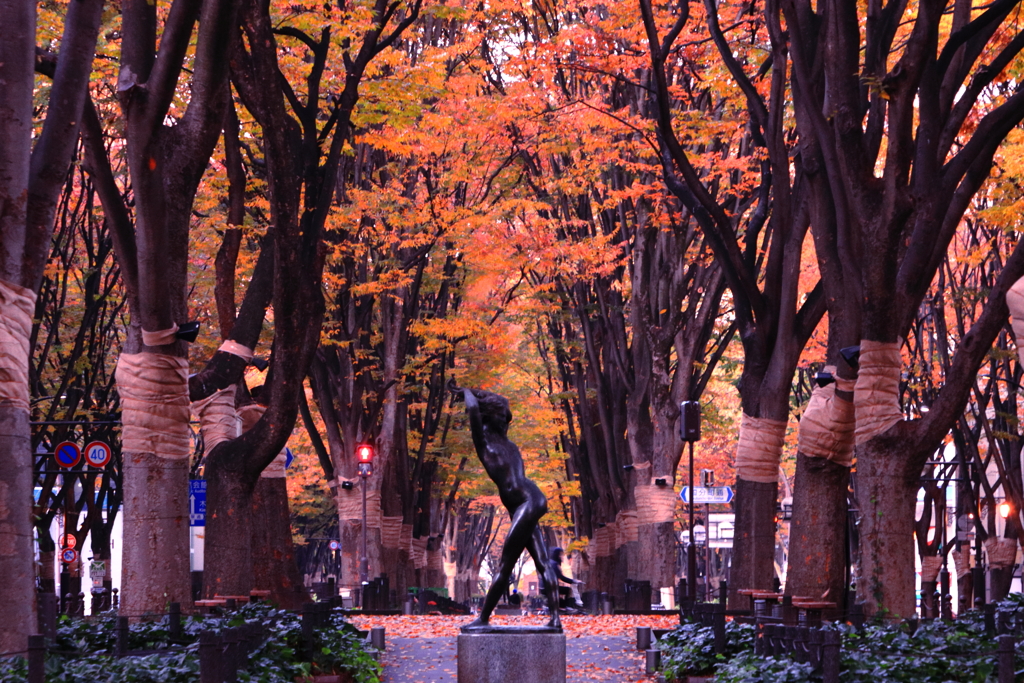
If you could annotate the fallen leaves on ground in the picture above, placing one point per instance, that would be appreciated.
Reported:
(575, 626)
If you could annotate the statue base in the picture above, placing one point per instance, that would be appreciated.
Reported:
(512, 655)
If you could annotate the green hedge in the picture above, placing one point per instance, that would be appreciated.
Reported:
(933, 652)
(84, 651)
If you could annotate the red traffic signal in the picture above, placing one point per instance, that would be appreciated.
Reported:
(364, 453)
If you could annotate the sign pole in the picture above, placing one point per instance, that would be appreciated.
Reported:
(707, 552)
(691, 554)
(689, 430)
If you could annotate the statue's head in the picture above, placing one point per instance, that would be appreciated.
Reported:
(494, 410)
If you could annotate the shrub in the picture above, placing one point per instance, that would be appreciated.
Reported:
(83, 652)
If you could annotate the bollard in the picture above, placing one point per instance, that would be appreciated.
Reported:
(36, 659)
(814, 648)
(801, 636)
(1006, 673)
(830, 657)
(718, 625)
(377, 640)
(209, 658)
(48, 615)
(308, 616)
(653, 661)
(231, 658)
(857, 615)
(778, 640)
(606, 604)
(643, 638)
(122, 636)
(990, 619)
(407, 608)
(174, 620)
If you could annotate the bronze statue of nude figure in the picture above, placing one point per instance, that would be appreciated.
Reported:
(489, 417)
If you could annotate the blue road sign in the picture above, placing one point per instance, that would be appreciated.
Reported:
(67, 454)
(712, 495)
(197, 502)
(288, 457)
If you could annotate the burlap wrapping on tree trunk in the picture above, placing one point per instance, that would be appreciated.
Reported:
(759, 449)
(236, 349)
(876, 398)
(391, 532)
(1001, 552)
(601, 545)
(350, 504)
(627, 527)
(419, 552)
(827, 425)
(1015, 302)
(435, 560)
(406, 538)
(655, 504)
(160, 337)
(218, 419)
(451, 569)
(276, 469)
(17, 304)
(930, 567)
(250, 414)
(154, 404)
(613, 536)
(962, 562)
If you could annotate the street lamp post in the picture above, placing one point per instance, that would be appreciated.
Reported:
(364, 456)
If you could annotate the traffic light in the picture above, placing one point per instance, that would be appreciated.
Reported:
(364, 456)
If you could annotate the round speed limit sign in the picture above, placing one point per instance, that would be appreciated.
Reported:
(97, 454)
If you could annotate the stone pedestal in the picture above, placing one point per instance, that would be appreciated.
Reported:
(512, 656)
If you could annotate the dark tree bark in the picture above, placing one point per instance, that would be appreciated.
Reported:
(30, 181)
(166, 164)
(774, 319)
(892, 231)
(299, 208)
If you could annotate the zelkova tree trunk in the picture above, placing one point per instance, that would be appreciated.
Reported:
(274, 566)
(17, 590)
(817, 534)
(757, 475)
(17, 305)
(887, 484)
(30, 181)
(155, 448)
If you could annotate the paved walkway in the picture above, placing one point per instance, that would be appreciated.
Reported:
(422, 649)
(588, 658)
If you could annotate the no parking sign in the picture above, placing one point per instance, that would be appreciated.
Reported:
(67, 454)
(68, 555)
